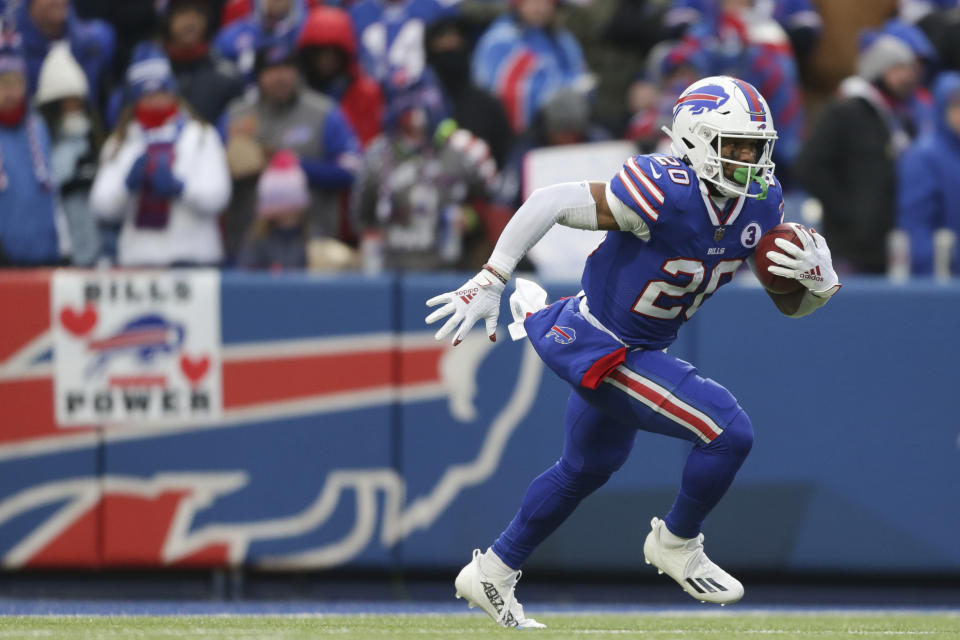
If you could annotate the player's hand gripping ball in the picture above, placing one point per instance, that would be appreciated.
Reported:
(774, 283)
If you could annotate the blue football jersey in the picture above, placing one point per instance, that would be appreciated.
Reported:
(644, 290)
(391, 34)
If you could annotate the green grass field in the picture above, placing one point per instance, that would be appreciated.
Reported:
(650, 627)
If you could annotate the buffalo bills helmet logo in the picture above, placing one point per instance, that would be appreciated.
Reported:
(563, 335)
(706, 98)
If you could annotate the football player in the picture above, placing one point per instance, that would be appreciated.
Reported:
(679, 226)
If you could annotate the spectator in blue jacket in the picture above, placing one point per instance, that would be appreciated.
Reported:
(524, 57)
(928, 185)
(272, 22)
(44, 22)
(28, 233)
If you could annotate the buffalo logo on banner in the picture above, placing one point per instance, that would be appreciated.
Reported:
(138, 348)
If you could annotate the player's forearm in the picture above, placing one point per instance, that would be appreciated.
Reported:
(801, 303)
(569, 203)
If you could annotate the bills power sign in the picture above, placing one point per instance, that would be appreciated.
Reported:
(136, 347)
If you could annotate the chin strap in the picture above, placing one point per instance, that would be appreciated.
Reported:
(744, 175)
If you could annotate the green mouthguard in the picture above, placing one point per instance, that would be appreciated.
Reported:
(744, 175)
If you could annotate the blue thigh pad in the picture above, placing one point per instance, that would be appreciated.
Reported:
(574, 349)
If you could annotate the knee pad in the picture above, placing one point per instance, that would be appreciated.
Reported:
(738, 435)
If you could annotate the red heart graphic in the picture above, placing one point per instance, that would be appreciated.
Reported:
(79, 324)
(194, 369)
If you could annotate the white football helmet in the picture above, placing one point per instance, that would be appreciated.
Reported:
(713, 110)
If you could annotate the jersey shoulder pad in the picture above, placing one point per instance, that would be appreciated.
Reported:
(646, 183)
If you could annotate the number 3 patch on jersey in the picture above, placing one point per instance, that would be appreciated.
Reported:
(751, 235)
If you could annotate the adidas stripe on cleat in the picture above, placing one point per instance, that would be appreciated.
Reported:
(684, 560)
(495, 597)
(704, 585)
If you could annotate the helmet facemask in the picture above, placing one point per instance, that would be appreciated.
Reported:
(744, 173)
(710, 113)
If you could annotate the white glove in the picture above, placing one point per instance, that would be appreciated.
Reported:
(811, 265)
(478, 297)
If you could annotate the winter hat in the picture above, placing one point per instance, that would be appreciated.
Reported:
(883, 52)
(61, 76)
(686, 53)
(11, 52)
(913, 36)
(274, 54)
(149, 71)
(328, 27)
(404, 94)
(282, 186)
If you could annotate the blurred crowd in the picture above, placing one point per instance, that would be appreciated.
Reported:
(391, 134)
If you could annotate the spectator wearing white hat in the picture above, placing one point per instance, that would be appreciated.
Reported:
(163, 173)
(62, 99)
(44, 23)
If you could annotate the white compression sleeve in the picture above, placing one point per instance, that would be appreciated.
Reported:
(812, 301)
(569, 203)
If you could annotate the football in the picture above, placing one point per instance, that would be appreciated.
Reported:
(771, 282)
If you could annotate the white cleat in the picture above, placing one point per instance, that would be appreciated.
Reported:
(685, 562)
(496, 598)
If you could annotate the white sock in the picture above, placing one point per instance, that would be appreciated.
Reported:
(493, 566)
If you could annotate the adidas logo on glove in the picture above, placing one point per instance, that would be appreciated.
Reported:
(813, 274)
